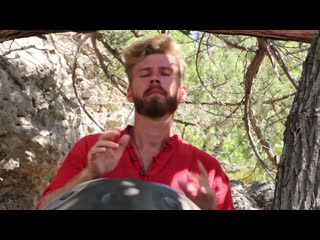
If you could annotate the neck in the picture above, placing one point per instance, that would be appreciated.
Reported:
(152, 133)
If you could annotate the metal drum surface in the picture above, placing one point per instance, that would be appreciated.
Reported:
(121, 194)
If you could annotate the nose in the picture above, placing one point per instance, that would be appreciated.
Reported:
(154, 81)
(155, 78)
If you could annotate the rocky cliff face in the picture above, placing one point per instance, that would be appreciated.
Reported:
(40, 118)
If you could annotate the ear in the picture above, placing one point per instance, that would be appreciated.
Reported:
(129, 94)
(182, 93)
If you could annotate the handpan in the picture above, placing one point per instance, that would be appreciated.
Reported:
(121, 194)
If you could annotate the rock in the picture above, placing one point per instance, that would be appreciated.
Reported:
(254, 196)
(31, 113)
(263, 193)
(40, 117)
(241, 199)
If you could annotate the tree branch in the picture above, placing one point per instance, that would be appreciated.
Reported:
(113, 52)
(102, 66)
(277, 56)
(74, 81)
(289, 35)
(272, 101)
(197, 68)
(215, 103)
(7, 35)
(232, 45)
(184, 122)
(248, 114)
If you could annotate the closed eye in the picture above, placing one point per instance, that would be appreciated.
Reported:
(166, 74)
(145, 75)
(145, 72)
(166, 71)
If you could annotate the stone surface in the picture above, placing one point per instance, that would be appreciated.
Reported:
(255, 196)
(37, 118)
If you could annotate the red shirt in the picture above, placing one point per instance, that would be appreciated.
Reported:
(168, 167)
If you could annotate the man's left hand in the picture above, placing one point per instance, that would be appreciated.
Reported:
(198, 190)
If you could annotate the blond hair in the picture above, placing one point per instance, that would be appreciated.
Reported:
(160, 44)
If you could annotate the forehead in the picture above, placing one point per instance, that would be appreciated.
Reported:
(157, 61)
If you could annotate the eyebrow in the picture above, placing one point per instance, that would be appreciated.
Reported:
(149, 68)
(166, 68)
(144, 69)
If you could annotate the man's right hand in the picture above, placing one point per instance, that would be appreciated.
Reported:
(102, 158)
(106, 153)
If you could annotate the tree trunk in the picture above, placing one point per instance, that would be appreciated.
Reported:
(298, 176)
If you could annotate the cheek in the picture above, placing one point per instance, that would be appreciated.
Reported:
(172, 87)
(137, 89)
(140, 83)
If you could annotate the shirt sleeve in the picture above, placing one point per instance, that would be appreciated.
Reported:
(223, 192)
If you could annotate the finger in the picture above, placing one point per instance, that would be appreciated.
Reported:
(119, 129)
(204, 190)
(203, 171)
(95, 151)
(183, 186)
(203, 179)
(107, 144)
(191, 187)
(186, 189)
(109, 135)
(123, 141)
(192, 176)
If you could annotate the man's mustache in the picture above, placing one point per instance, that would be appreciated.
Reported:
(155, 87)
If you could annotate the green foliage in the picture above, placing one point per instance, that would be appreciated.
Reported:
(250, 174)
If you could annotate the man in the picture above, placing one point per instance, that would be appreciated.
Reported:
(149, 150)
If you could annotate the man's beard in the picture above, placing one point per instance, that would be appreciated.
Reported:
(154, 108)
